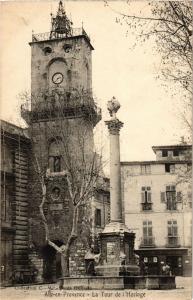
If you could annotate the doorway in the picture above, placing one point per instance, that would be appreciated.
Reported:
(175, 263)
(51, 262)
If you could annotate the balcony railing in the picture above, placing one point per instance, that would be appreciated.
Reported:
(148, 241)
(173, 241)
(38, 37)
(146, 206)
(61, 104)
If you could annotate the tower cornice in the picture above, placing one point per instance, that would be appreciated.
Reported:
(45, 37)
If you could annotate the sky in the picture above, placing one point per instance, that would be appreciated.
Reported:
(149, 111)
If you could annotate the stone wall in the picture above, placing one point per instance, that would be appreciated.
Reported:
(36, 263)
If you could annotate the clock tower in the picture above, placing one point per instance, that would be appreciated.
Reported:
(61, 117)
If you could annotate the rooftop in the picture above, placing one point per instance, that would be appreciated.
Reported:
(153, 162)
(47, 36)
(7, 127)
(168, 147)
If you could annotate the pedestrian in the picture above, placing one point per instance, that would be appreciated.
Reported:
(167, 269)
(163, 268)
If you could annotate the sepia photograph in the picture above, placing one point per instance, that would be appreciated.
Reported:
(96, 149)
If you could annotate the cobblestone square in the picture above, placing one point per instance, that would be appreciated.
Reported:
(41, 292)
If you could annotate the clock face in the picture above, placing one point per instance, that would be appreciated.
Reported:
(57, 78)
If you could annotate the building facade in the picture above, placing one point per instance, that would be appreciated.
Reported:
(15, 149)
(158, 208)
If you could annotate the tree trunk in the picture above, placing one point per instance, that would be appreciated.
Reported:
(65, 265)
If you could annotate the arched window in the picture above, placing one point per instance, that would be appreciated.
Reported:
(55, 157)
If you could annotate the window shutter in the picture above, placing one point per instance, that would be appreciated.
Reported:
(163, 198)
(179, 196)
(142, 197)
(170, 233)
(149, 197)
(150, 231)
(172, 168)
(175, 231)
(145, 232)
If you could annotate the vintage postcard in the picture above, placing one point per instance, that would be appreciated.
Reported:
(96, 149)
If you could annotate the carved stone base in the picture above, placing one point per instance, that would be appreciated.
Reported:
(120, 282)
(115, 270)
(117, 251)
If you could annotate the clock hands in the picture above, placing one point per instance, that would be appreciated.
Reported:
(57, 78)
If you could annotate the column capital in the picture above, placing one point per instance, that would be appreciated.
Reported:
(114, 126)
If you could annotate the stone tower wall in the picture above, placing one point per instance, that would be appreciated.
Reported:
(77, 61)
(60, 112)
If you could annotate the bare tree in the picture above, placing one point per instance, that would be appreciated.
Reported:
(169, 24)
(73, 143)
(184, 179)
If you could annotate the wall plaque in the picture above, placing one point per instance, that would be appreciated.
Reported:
(111, 252)
(56, 206)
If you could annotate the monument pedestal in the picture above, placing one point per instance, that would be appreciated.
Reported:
(117, 251)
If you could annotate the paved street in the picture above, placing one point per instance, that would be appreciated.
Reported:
(38, 292)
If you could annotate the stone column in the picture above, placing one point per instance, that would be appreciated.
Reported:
(116, 240)
(114, 126)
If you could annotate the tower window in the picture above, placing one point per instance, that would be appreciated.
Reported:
(47, 50)
(55, 158)
(57, 164)
(67, 48)
(98, 217)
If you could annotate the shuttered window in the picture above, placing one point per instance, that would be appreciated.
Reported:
(146, 169)
(172, 228)
(146, 194)
(170, 197)
(172, 239)
(147, 228)
(146, 201)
